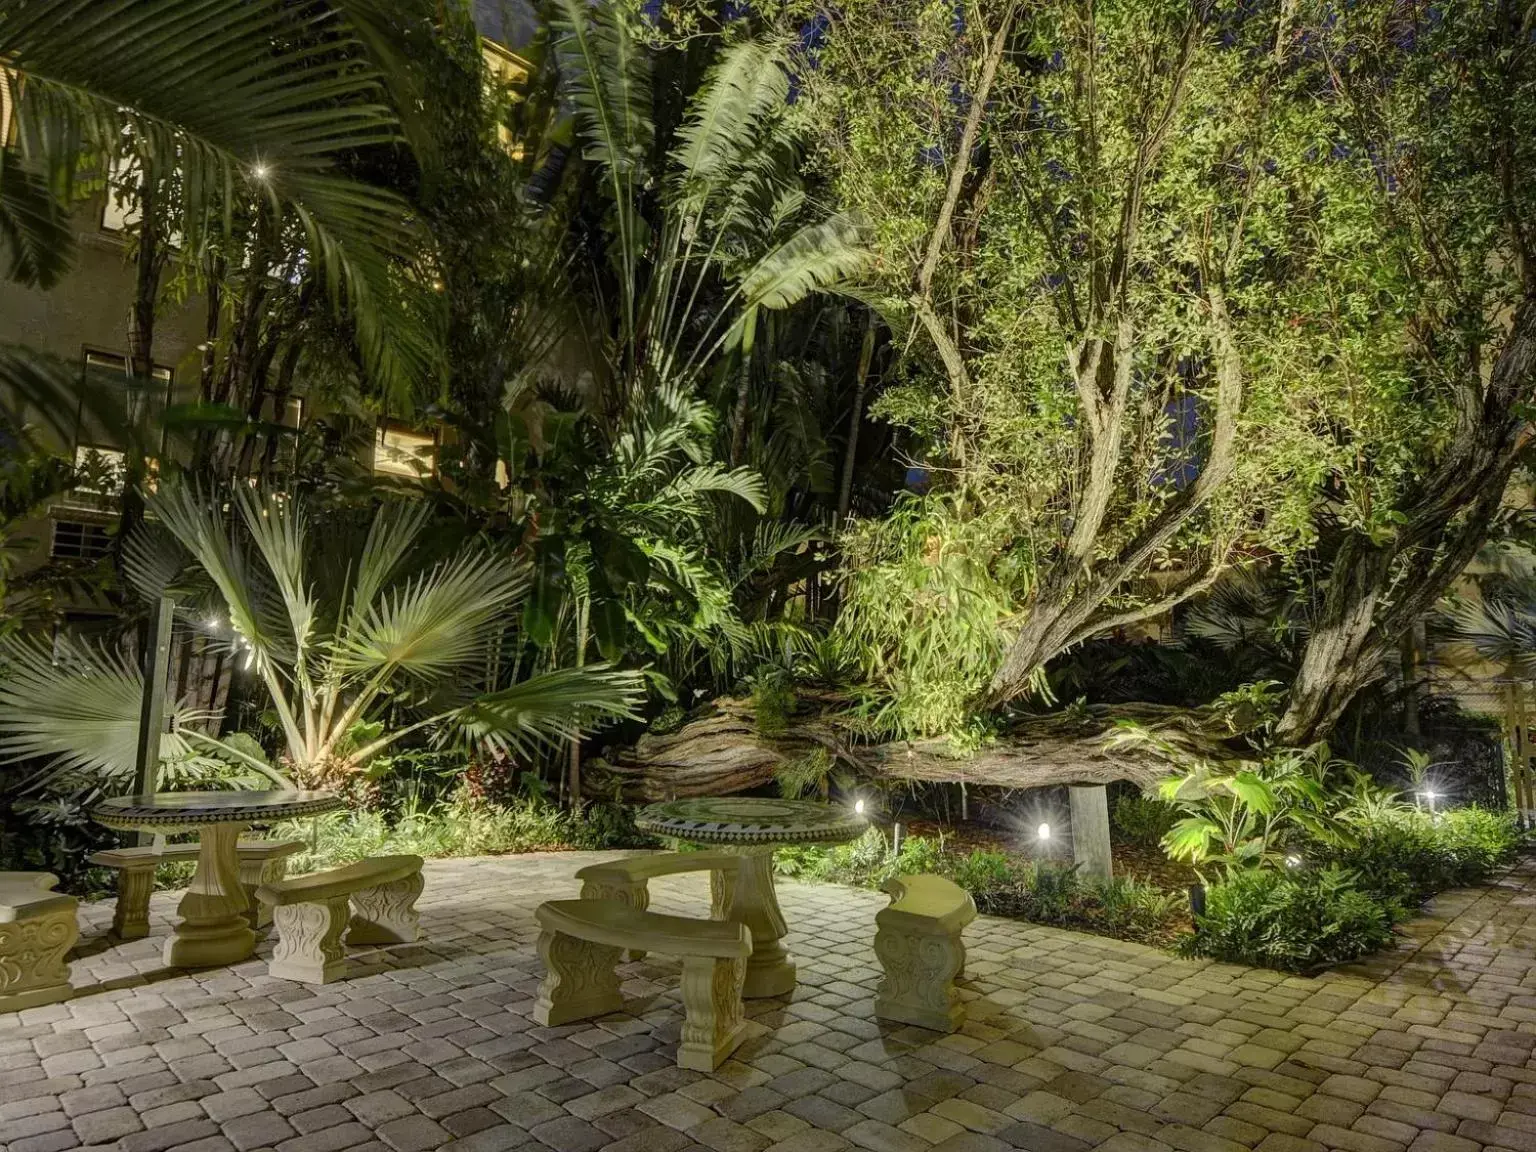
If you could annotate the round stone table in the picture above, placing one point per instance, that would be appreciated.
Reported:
(212, 929)
(754, 828)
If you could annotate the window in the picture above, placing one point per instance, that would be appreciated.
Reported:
(119, 210)
(102, 470)
(140, 404)
(79, 540)
(399, 452)
(505, 70)
(112, 362)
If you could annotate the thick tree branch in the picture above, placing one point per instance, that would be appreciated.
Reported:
(962, 165)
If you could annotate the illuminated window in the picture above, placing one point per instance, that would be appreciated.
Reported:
(398, 452)
(79, 540)
(102, 470)
(119, 211)
(505, 70)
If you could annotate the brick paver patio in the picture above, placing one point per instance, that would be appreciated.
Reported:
(1073, 1042)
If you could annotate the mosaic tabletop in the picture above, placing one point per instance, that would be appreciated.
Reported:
(189, 809)
(750, 820)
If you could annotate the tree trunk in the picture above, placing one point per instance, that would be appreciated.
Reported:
(1332, 669)
(722, 750)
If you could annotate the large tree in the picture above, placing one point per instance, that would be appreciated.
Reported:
(1103, 219)
(1434, 107)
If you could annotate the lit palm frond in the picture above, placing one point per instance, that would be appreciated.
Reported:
(747, 85)
(431, 625)
(75, 707)
(551, 709)
(332, 654)
(251, 100)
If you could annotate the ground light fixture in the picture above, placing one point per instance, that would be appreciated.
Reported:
(1043, 833)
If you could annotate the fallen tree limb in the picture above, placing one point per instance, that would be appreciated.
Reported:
(721, 750)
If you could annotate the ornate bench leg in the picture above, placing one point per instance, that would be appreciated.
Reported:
(580, 980)
(309, 941)
(636, 895)
(386, 914)
(33, 970)
(135, 882)
(920, 971)
(713, 1023)
(253, 874)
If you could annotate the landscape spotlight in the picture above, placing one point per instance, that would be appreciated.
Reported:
(1043, 832)
(858, 807)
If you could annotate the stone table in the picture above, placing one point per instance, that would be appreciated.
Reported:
(213, 928)
(754, 829)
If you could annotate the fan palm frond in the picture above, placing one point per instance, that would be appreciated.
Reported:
(1499, 630)
(75, 706)
(432, 624)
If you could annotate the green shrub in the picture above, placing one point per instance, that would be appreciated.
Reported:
(1294, 921)
(1143, 820)
(982, 871)
(1406, 855)
(461, 826)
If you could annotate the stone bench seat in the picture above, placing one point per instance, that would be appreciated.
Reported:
(260, 861)
(581, 941)
(373, 901)
(37, 929)
(918, 943)
(628, 880)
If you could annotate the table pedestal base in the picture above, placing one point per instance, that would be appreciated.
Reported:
(770, 971)
(213, 928)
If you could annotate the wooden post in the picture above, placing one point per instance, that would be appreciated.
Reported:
(157, 654)
(1090, 831)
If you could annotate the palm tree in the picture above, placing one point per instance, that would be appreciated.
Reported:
(253, 102)
(734, 235)
(341, 632)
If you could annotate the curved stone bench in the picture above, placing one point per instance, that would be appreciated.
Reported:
(917, 940)
(261, 862)
(377, 897)
(37, 930)
(580, 943)
(627, 880)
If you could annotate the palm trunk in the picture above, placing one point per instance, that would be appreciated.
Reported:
(855, 418)
(743, 392)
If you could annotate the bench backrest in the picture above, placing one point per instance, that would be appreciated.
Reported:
(632, 869)
(341, 881)
(620, 926)
(927, 903)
